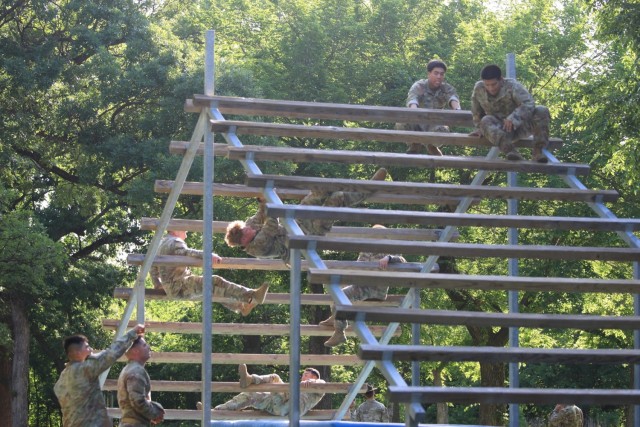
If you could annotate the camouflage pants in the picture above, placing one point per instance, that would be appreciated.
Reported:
(358, 293)
(273, 403)
(536, 124)
(320, 227)
(191, 286)
(421, 128)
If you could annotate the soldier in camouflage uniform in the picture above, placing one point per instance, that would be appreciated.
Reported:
(504, 111)
(359, 293)
(565, 415)
(134, 389)
(273, 403)
(434, 93)
(264, 237)
(370, 411)
(78, 388)
(180, 282)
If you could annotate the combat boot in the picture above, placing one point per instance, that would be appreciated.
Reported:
(432, 150)
(245, 378)
(537, 154)
(328, 322)
(337, 338)
(256, 297)
(509, 150)
(380, 175)
(415, 148)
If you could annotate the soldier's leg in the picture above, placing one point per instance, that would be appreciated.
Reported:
(191, 286)
(415, 147)
(354, 293)
(540, 130)
(238, 402)
(434, 150)
(492, 130)
(248, 298)
(315, 226)
(273, 403)
(352, 198)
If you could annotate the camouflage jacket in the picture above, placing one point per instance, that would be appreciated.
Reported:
(512, 102)
(134, 396)
(569, 416)
(172, 245)
(371, 411)
(270, 240)
(375, 257)
(78, 388)
(421, 95)
(310, 400)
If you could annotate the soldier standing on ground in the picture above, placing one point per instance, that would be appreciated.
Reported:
(134, 389)
(78, 388)
(180, 282)
(432, 92)
(504, 111)
(370, 411)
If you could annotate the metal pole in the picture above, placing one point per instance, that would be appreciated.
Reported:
(207, 238)
(514, 337)
(294, 338)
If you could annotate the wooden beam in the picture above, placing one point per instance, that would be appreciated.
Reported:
(236, 190)
(468, 250)
(482, 319)
(356, 134)
(468, 281)
(234, 387)
(497, 395)
(272, 298)
(239, 328)
(441, 219)
(196, 225)
(253, 359)
(329, 111)
(421, 189)
(497, 354)
(196, 415)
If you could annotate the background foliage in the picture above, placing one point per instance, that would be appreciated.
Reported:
(91, 92)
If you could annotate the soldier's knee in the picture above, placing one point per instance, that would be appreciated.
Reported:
(542, 113)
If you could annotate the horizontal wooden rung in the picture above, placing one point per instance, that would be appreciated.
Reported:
(423, 189)
(239, 328)
(440, 219)
(234, 387)
(253, 359)
(497, 354)
(196, 415)
(497, 395)
(468, 250)
(482, 319)
(272, 298)
(464, 281)
(356, 134)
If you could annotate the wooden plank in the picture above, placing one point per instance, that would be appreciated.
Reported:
(468, 250)
(480, 319)
(253, 359)
(497, 354)
(419, 188)
(239, 328)
(463, 281)
(272, 298)
(234, 387)
(266, 264)
(196, 225)
(307, 155)
(497, 395)
(196, 415)
(443, 219)
(324, 110)
(357, 134)
(234, 190)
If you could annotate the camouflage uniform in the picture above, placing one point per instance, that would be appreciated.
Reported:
(78, 388)
(423, 96)
(362, 293)
(273, 403)
(371, 411)
(568, 416)
(512, 102)
(320, 227)
(180, 282)
(134, 397)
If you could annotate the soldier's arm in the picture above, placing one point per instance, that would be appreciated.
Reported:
(181, 248)
(135, 385)
(155, 277)
(415, 92)
(526, 105)
(452, 96)
(477, 112)
(260, 216)
(100, 362)
(385, 415)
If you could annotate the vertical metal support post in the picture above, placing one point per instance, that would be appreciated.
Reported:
(207, 239)
(636, 345)
(294, 338)
(514, 338)
(415, 340)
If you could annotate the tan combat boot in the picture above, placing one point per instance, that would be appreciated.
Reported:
(328, 322)
(337, 338)
(537, 154)
(257, 297)
(415, 148)
(432, 150)
(380, 175)
(245, 378)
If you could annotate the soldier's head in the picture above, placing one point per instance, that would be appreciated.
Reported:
(310, 373)
(371, 391)
(436, 70)
(491, 76)
(180, 234)
(239, 234)
(77, 348)
(139, 351)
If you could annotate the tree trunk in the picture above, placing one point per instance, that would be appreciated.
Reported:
(5, 387)
(492, 375)
(442, 410)
(20, 365)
